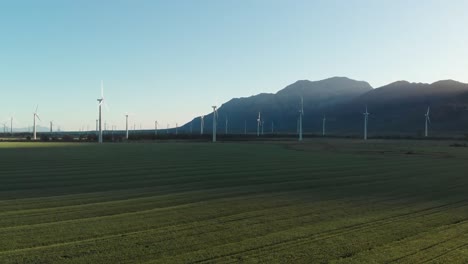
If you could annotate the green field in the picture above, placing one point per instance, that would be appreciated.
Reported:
(323, 201)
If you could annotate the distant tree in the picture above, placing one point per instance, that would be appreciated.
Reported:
(67, 138)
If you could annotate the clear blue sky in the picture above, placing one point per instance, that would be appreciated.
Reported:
(171, 60)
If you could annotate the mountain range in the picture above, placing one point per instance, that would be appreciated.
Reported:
(395, 109)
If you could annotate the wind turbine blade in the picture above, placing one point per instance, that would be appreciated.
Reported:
(38, 117)
(106, 106)
(37, 106)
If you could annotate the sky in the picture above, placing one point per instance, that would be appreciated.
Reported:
(172, 60)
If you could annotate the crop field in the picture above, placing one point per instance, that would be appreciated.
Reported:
(322, 201)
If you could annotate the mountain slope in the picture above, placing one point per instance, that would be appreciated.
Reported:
(396, 109)
(280, 110)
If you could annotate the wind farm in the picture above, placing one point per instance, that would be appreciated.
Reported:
(233, 132)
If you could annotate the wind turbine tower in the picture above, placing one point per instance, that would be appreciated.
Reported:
(34, 123)
(301, 113)
(51, 124)
(226, 126)
(202, 124)
(258, 124)
(215, 116)
(100, 101)
(323, 125)
(428, 121)
(126, 126)
(366, 121)
(155, 127)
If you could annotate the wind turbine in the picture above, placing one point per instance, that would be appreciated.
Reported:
(226, 126)
(34, 122)
(101, 101)
(366, 121)
(202, 124)
(258, 124)
(323, 125)
(301, 113)
(176, 127)
(155, 127)
(215, 116)
(51, 124)
(11, 125)
(428, 121)
(126, 126)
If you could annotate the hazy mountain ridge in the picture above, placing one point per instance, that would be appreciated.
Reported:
(395, 108)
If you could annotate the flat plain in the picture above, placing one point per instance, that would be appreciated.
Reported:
(319, 201)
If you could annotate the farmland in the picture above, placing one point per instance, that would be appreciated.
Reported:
(322, 201)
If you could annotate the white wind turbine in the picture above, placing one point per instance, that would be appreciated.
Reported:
(156, 127)
(428, 121)
(101, 101)
(258, 124)
(11, 125)
(366, 121)
(126, 125)
(301, 113)
(12, 121)
(324, 121)
(34, 123)
(226, 126)
(51, 126)
(215, 116)
(202, 124)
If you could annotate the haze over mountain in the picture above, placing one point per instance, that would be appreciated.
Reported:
(396, 109)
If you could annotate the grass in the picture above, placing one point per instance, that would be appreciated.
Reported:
(323, 201)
